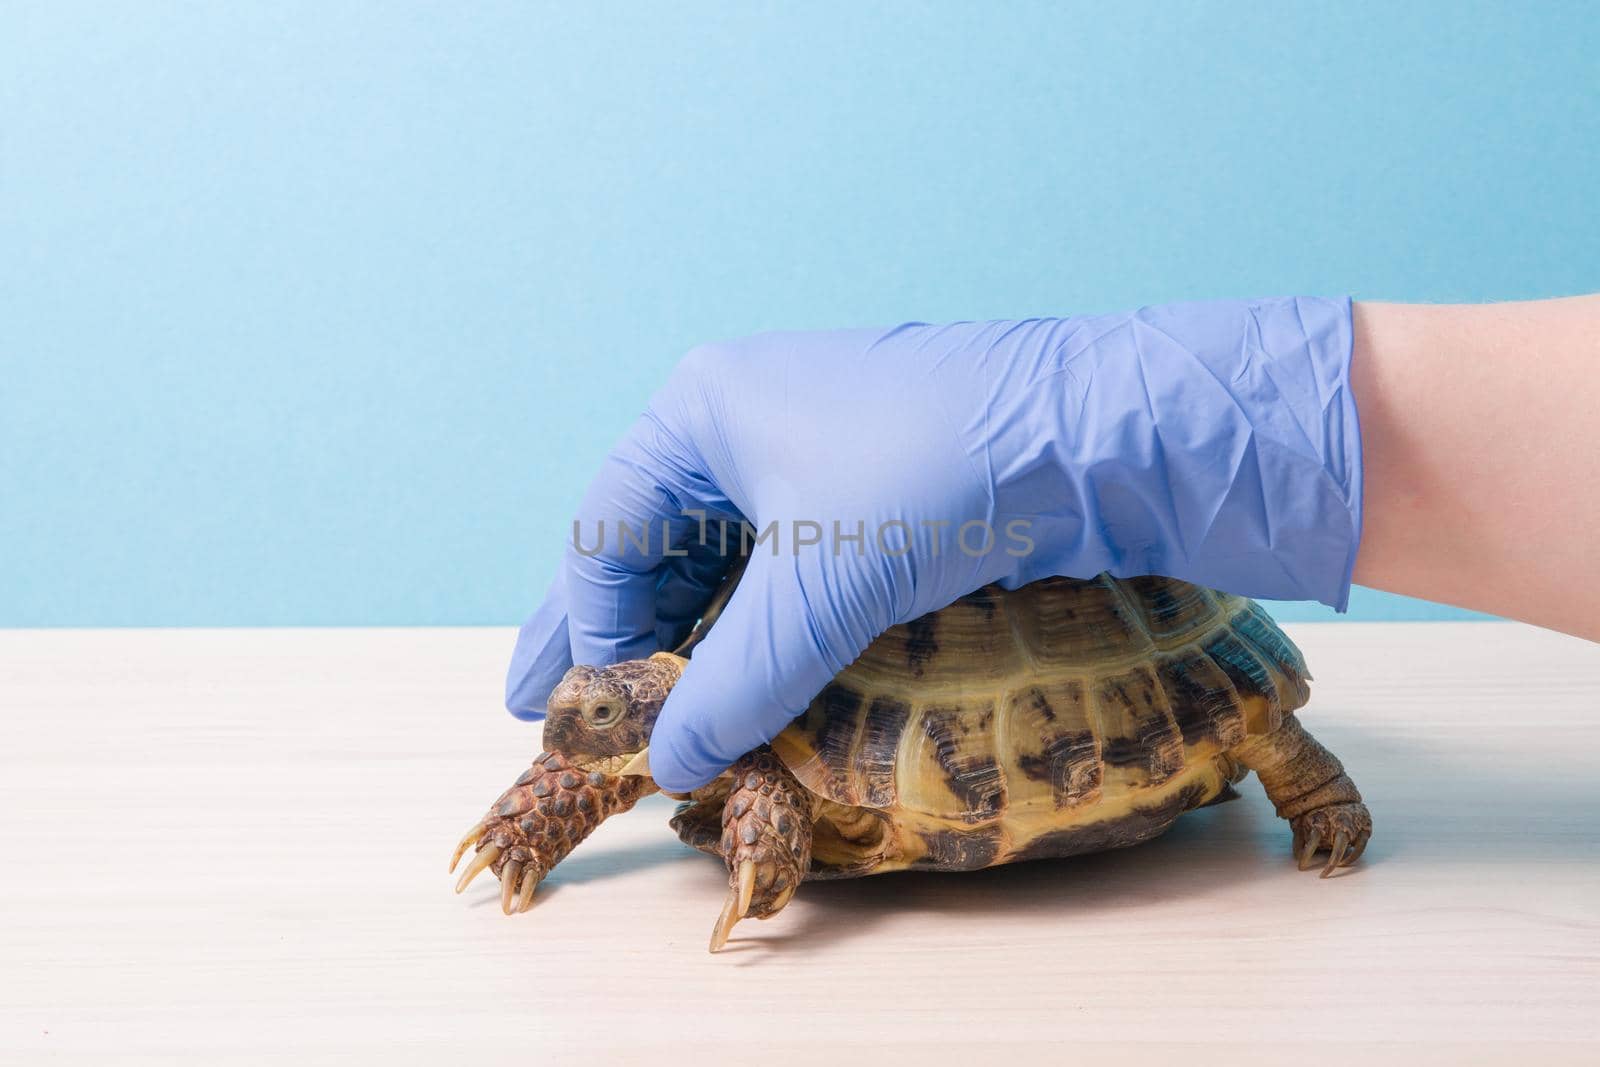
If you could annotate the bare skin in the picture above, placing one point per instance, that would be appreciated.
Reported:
(1482, 463)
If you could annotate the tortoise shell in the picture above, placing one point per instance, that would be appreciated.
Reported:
(1066, 716)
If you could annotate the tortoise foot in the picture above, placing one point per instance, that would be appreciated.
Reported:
(537, 822)
(1342, 830)
(503, 848)
(766, 841)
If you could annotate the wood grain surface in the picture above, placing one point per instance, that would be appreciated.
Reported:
(230, 845)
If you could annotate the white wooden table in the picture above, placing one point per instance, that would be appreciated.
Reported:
(232, 845)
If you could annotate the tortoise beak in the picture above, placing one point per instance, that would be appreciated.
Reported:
(639, 765)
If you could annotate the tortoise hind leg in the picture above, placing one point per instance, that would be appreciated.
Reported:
(1308, 786)
(766, 840)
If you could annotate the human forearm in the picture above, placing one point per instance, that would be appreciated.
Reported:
(1482, 463)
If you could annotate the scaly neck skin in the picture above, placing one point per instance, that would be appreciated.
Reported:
(1481, 462)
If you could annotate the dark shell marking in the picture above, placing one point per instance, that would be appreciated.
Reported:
(971, 771)
(922, 642)
(1140, 731)
(960, 850)
(1048, 750)
(1138, 826)
(881, 730)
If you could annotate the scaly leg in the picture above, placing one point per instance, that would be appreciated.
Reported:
(766, 840)
(539, 820)
(1308, 786)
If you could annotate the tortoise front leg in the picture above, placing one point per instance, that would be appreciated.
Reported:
(1308, 786)
(766, 840)
(539, 820)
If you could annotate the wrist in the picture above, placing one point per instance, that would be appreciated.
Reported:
(1215, 442)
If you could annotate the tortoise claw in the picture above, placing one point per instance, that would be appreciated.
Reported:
(472, 838)
(509, 878)
(1336, 856)
(1310, 850)
(530, 881)
(778, 903)
(476, 867)
(725, 921)
(737, 905)
(747, 885)
(1358, 848)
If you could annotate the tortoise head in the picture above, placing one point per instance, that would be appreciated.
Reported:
(599, 718)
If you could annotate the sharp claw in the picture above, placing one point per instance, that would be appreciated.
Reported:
(530, 882)
(737, 905)
(1310, 850)
(725, 921)
(778, 903)
(1341, 842)
(1357, 849)
(508, 884)
(467, 842)
(479, 862)
(747, 885)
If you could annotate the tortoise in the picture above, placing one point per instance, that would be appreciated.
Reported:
(1064, 717)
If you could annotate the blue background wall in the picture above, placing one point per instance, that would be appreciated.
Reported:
(322, 313)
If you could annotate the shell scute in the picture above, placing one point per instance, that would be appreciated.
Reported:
(1253, 678)
(1172, 609)
(1136, 826)
(1205, 705)
(1049, 739)
(1255, 627)
(1141, 735)
(960, 849)
(950, 770)
(1091, 623)
(820, 745)
(958, 646)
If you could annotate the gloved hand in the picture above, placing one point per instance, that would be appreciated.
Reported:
(1212, 442)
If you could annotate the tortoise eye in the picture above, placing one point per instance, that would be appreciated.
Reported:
(603, 713)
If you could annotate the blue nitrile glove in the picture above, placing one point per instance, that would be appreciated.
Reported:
(1212, 442)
